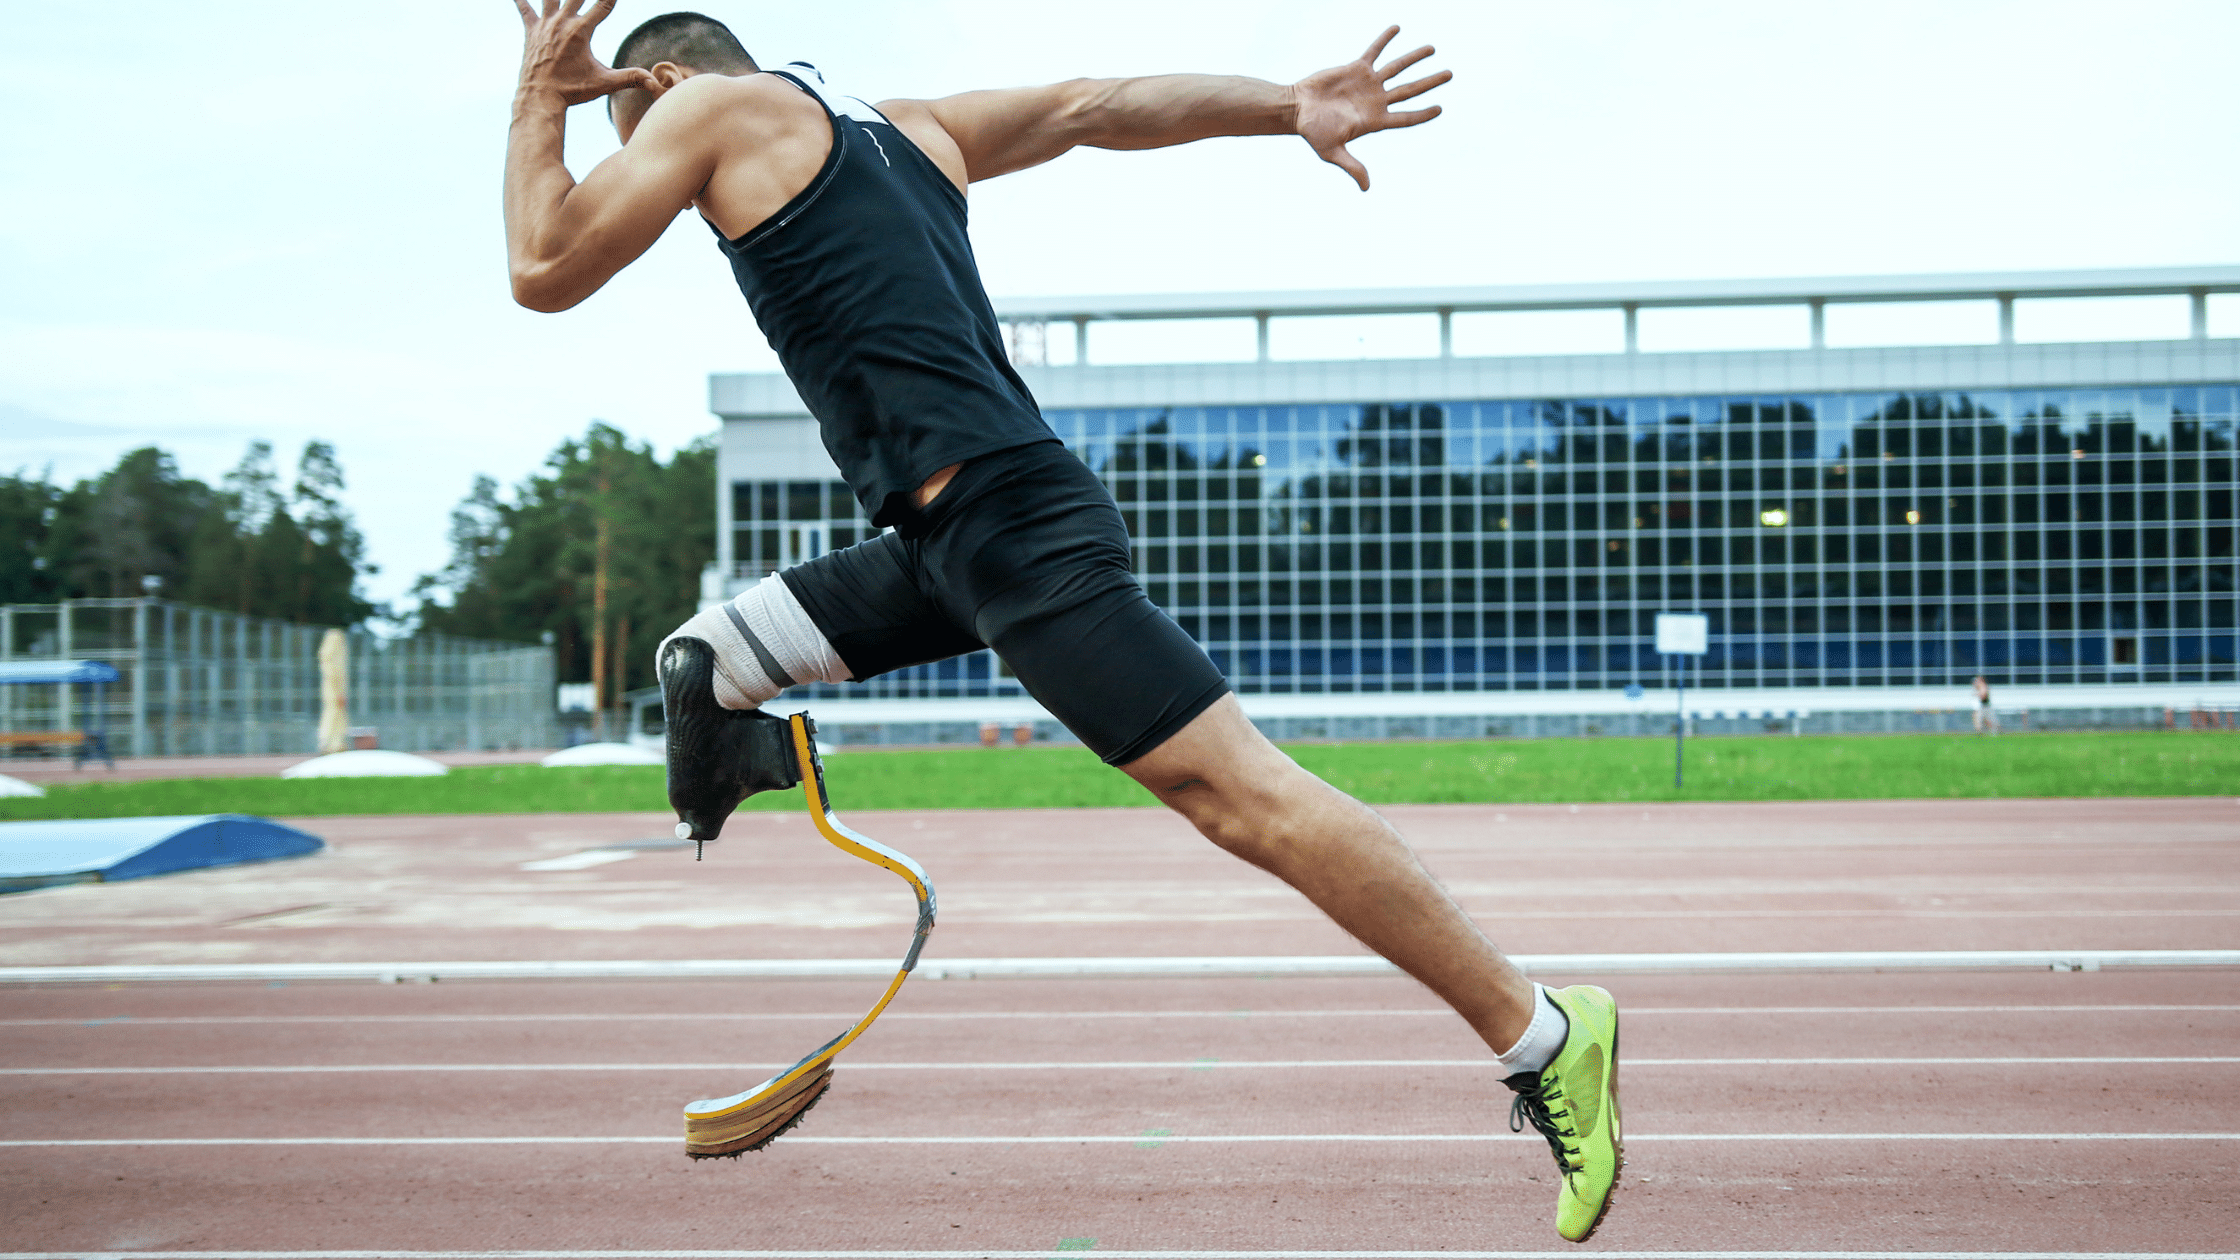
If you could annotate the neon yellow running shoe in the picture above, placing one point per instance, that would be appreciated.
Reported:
(1573, 1102)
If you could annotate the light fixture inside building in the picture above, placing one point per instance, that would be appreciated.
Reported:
(1259, 461)
(1774, 516)
(1912, 517)
(1504, 522)
(2076, 453)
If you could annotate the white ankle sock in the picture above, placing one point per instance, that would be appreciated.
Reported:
(1543, 1038)
(765, 643)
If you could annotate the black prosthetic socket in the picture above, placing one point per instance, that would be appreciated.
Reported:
(718, 757)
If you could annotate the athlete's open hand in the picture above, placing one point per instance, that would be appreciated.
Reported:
(556, 52)
(1344, 103)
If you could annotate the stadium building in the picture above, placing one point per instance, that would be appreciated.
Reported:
(1467, 544)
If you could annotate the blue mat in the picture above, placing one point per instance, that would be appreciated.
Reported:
(104, 850)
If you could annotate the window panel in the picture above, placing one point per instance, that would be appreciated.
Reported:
(1471, 525)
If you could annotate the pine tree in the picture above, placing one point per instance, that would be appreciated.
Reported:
(328, 553)
(28, 506)
(131, 523)
(142, 527)
(522, 568)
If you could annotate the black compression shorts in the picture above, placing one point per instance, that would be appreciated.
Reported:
(1024, 552)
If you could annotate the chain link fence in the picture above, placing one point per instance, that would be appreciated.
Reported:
(200, 682)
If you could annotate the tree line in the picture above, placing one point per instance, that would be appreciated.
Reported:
(601, 549)
(249, 545)
(599, 552)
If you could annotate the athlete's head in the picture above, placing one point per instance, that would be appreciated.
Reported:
(674, 46)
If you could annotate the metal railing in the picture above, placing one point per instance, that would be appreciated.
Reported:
(1027, 319)
(201, 682)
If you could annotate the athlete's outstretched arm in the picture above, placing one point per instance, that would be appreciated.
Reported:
(1004, 131)
(565, 239)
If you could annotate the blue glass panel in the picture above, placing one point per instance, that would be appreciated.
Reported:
(1372, 479)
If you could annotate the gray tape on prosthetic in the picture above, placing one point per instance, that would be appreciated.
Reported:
(764, 643)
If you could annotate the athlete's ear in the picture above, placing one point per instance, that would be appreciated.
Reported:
(627, 107)
(668, 74)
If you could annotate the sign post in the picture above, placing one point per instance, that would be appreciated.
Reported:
(1682, 635)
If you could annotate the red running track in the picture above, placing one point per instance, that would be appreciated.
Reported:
(1828, 1114)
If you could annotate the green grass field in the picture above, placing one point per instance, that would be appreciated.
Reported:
(1768, 768)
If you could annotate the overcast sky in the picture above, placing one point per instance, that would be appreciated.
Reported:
(235, 220)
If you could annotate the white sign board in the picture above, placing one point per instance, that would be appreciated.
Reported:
(1683, 634)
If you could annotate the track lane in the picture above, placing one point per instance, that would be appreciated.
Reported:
(1805, 875)
(1818, 1156)
(1204, 1100)
(939, 1022)
(1115, 997)
(1125, 1196)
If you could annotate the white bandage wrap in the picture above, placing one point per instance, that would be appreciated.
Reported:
(764, 643)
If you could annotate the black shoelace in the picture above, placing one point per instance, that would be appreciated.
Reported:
(1531, 1107)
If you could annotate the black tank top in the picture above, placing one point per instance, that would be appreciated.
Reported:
(866, 286)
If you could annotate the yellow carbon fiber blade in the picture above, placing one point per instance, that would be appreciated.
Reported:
(750, 1120)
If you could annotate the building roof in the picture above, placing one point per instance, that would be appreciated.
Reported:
(2131, 282)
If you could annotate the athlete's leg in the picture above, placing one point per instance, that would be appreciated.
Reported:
(764, 642)
(1039, 567)
(1558, 1049)
(847, 614)
(1245, 795)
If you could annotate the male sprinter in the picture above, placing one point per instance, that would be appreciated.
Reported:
(845, 227)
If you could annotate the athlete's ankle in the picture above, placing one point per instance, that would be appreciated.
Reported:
(1542, 1039)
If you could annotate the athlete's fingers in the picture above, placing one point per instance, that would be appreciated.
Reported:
(1409, 117)
(1386, 72)
(1408, 91)
(1378, 47)
(1350, 164)
(620, 80)
(598, 11)
(528, 15)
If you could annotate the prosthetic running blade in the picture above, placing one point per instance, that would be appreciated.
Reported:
(751, 1120)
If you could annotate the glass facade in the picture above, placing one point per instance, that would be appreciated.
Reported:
(2039, 536)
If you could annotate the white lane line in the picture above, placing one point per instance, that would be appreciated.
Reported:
(1160, 1065)
(1099, 1139)
(1046, 1253)
(1110, 966)
(580, 861)
(893, 1017)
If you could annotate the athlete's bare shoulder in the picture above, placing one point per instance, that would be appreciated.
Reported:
(762, 98)
(915, 119)
(767, 138)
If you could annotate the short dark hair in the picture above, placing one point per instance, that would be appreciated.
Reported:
(691, 40)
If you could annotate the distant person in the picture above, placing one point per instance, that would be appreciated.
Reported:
(1987, 722)
(844, 225)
